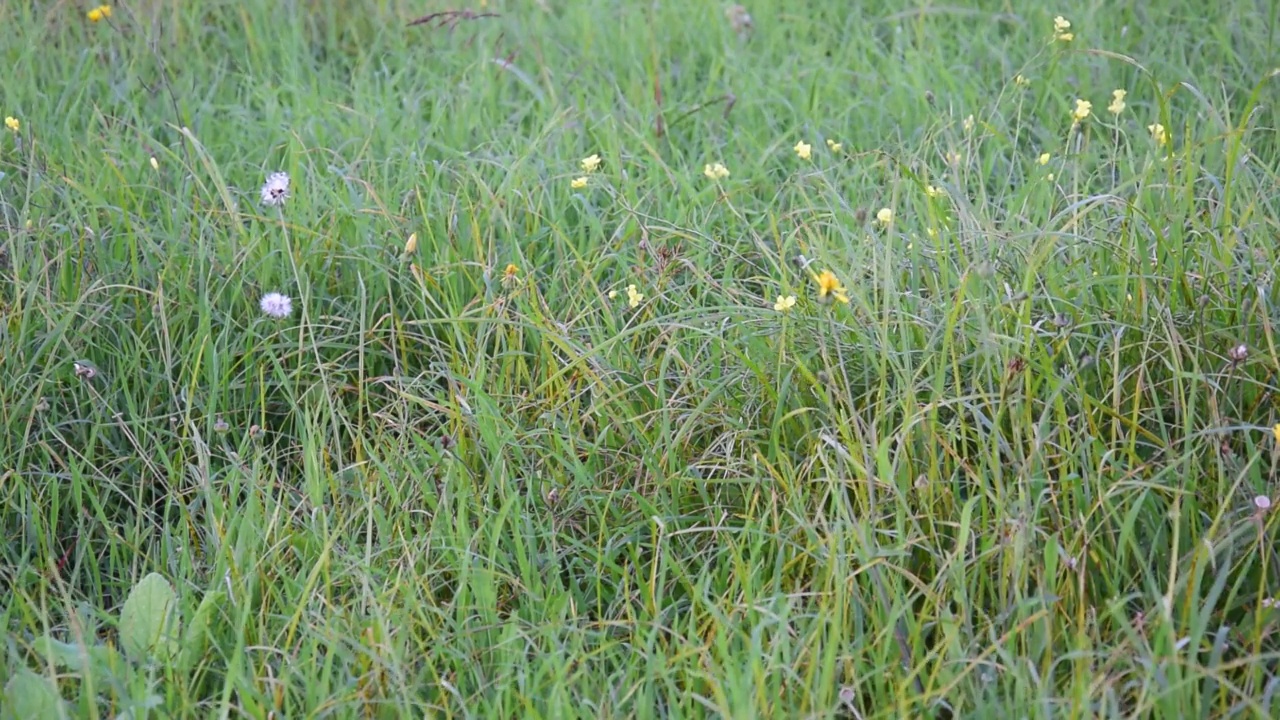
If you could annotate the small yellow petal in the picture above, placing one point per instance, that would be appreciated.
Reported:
(803, 150)
(633, 297)
(579, 183)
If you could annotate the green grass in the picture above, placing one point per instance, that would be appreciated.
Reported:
(1014, 476)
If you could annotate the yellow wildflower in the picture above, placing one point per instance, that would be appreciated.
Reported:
(1083, 108)
(884, 217)
(968, 124)
(1061, 29)
(633, 297)
(1021, 80)
(1117, 101)
(834, 146)
(1043, 159)
(785, 303)
(99, 13)
(932, 191)
(13, 124)
(715, 171)
(1158, 134)
(510, 270)
(829, 287)
(804, 150)
(613, 294)
(579, 183)
(590, 163)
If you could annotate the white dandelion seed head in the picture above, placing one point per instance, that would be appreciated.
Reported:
(276, 190)
(276, 305)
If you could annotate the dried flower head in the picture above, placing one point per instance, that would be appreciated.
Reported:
(411, 245)
(85, 369)
(276, 190)
(739, 19)
(1238, 353)
(276, 305)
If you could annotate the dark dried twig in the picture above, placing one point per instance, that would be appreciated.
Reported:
(449, 18)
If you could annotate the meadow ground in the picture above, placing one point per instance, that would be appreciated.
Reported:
(539, 437)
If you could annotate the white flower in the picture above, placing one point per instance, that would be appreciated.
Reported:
(276, 189)
(275, 304)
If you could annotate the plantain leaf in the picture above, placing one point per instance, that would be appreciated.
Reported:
(28, 696)
(149, 622)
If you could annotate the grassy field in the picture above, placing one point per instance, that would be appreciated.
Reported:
(869, 373)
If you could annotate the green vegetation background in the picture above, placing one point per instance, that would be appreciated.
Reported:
(1020, 474)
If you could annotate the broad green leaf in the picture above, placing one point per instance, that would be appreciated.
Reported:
(149, 622)
(195, 639)
(72, 656)
(28, 696)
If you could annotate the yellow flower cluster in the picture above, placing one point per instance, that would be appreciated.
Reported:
(13, 124)
(1117, 102)
(1062, 30)
(102, 12)
(1083, 108)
